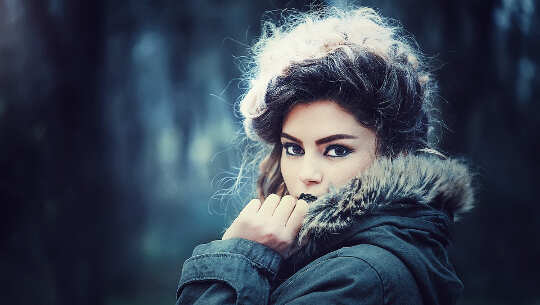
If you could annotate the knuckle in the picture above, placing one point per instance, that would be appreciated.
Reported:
(299, 209)
(247, 222)
(288, 198)
(269, 237)
(272, 230)
(254, 202)
(272, 197)
(248, 206)
(241, 223)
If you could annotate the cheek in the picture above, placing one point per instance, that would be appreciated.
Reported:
(288, 169)
(342, 172)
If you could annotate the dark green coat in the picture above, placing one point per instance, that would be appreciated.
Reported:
(381, 239)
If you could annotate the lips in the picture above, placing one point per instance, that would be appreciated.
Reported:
(307, 197)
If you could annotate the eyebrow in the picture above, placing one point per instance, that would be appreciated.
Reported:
(323, 140)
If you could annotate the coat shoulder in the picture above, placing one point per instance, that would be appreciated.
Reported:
(397, 280)
(332, 279)
(361, 272)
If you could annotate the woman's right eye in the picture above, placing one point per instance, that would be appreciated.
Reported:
(293, 149)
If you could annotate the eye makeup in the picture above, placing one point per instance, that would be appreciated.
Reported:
(293, 149)
(338, 149)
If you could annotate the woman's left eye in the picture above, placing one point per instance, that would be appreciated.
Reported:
(337, 151)
(292, 149)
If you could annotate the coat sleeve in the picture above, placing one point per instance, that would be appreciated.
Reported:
(233, 271)
(336, 280)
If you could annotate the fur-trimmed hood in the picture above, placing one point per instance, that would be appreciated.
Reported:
(404, 205)
(423, 179)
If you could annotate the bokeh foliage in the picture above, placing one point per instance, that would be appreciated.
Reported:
(117, 124)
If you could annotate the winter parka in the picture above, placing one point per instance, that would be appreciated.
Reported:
(380, 239)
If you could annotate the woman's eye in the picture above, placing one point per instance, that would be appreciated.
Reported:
(337, 151)
(293, 149)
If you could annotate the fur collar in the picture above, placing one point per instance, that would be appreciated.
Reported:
(444, 184)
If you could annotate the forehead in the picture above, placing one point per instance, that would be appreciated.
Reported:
(319, 119)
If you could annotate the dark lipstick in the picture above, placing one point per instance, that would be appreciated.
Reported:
(307, 197)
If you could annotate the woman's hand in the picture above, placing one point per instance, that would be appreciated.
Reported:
(274, 224)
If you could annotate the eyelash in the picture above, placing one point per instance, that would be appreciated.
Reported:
(348, 150)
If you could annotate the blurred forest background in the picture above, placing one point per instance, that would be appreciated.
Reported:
(117, 123)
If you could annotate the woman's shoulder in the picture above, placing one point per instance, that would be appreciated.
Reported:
(333, 276)
(378, 260)
(391, 270)
(365, 270)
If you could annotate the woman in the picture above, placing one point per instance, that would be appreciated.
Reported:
(345, 104)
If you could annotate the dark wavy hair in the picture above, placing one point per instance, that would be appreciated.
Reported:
(386, 98)
(362, 61)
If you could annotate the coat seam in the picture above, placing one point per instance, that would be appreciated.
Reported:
(203, 279)
(376, 272)
(228, 254)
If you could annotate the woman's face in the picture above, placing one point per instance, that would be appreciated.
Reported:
(323, 145)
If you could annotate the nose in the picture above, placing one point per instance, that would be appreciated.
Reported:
(310, 172)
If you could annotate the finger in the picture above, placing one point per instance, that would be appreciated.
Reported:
(269, 205)
(251, 208)
(297, 217)
(284, 209)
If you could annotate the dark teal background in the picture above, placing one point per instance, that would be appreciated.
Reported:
(117, 127)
